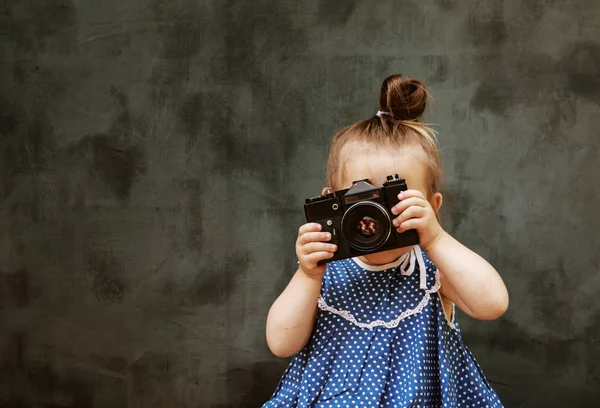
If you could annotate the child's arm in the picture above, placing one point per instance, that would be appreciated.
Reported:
(467, 279)
(291, 318)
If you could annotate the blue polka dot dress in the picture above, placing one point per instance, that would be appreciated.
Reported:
(382, 339)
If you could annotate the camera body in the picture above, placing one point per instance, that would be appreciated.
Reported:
(360, 219)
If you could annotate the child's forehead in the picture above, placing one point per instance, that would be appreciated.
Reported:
(377, 164)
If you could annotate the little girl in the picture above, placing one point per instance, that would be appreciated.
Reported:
(379, 330)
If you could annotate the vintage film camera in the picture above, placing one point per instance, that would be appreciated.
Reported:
(360, 218)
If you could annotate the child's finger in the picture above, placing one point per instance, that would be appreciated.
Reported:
(411, 212)
(312, 247)
(405, 203)
(314, 237)
(310, 227)
(411, 193)
(413, 223)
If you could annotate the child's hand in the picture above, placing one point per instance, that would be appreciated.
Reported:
(312, 246)
(415, 212)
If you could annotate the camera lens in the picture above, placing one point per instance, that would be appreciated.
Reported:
(366, 225)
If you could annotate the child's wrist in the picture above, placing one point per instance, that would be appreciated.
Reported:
(312, 277)
(436, 241)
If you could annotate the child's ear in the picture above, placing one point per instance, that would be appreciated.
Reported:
(436, 202)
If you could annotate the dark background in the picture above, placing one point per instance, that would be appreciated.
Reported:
(154, 158)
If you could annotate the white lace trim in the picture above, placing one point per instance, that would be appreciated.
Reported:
(392, 323)
(451, 322)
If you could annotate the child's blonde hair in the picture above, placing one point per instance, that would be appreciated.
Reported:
(397, 125)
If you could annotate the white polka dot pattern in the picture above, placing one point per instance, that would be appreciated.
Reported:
(418, 361)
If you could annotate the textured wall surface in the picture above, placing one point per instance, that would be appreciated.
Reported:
(154, 158)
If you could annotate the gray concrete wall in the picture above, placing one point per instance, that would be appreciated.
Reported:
(154, 158)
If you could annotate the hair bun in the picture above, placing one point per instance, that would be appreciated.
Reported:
(403, 97)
